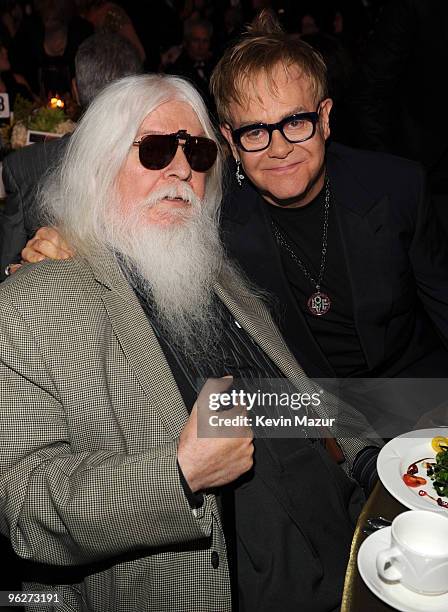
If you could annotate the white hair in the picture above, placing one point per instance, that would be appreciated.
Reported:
(173, 266)
(77, 195)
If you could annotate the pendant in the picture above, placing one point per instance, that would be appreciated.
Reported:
(318, 304)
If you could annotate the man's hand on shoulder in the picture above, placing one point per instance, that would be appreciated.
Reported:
(47, 243)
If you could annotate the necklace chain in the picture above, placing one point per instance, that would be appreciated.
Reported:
(283, 241)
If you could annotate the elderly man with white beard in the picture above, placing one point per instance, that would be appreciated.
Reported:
(105, 484)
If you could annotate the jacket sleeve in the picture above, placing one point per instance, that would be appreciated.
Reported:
(23, 172)
(13, 234)
(62, 507)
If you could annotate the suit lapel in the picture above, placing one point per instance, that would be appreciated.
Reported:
(140, 345)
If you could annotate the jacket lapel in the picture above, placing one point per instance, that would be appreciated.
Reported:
(140, 345)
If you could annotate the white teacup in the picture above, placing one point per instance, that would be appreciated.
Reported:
(418, 555)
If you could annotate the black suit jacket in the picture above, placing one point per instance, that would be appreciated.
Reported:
(397, 261)
(23, 171)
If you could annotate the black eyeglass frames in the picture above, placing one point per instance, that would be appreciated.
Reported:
(294, 128)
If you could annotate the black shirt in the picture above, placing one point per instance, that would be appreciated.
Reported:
(335, 331)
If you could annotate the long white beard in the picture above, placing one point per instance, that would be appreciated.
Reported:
(175, 265)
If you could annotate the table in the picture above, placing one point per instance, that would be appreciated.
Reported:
(357, 597)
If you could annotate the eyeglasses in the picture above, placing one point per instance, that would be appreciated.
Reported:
(156, 151)
(257, 136)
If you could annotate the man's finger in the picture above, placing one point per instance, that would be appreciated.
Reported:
(52, 235)
(30, 255)
(50, 249)
(12, 268)
(38, 249)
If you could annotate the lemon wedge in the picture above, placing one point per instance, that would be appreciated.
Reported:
(439, 443)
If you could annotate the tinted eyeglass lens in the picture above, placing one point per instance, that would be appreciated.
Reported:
(156, 151)
(201, 153)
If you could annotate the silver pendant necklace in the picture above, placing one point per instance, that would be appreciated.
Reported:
(318, 303)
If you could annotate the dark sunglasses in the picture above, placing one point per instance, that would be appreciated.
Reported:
(156, 151)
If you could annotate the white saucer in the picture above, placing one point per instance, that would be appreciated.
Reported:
(394, 594)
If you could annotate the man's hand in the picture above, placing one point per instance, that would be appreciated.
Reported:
(47, 243)
(213, 462)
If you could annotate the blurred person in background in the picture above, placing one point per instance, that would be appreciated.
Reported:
(197, 9)
(11, 16)
(107, 16)
(63, 32)
(45, 46)
(196, 60)
(159, 28)
(10, 82)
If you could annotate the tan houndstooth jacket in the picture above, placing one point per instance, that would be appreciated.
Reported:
(89, 420)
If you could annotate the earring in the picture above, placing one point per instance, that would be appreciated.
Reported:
(239, 175)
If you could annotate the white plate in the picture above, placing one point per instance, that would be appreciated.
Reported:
(395, 458)
(394, 594)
